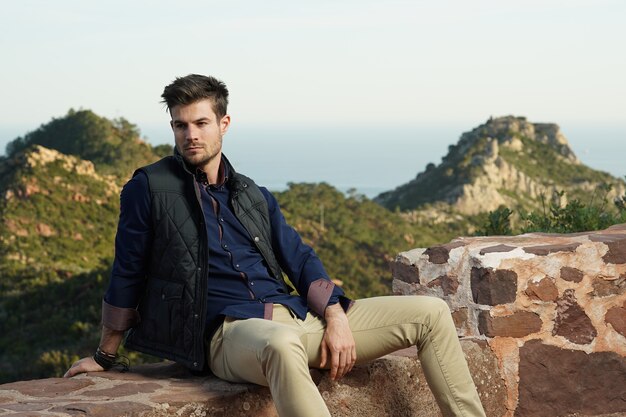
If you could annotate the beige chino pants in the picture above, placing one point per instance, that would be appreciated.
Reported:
(278, 353)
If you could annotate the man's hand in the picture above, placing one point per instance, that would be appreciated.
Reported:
(87, 364)
(338, 343)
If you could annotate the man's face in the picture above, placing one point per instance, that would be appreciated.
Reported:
(198, 132)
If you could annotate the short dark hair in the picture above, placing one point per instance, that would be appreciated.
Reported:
(193, 87)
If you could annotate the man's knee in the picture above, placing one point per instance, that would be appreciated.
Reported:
(430, 309)
(438, 305)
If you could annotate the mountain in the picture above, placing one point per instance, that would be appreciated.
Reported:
(113, 146)
(505, 161)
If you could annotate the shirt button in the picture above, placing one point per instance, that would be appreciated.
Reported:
(237, 266)
(221, 219)
(225, 246)
(256, 239)
(252, 283)
(195, 316)
(195, 364)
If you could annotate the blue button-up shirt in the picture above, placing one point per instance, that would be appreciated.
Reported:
(240, 284)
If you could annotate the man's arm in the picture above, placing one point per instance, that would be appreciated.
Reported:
(301, 264)
(306, 272)
(109, 342)
(128, 274)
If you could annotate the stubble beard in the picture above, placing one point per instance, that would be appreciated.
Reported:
(200, 161)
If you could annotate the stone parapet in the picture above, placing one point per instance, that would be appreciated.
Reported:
(551, 307)
(391, 386)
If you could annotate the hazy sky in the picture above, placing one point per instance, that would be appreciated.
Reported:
(322, 63)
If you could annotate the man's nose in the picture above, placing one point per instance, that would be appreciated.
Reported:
(191, 133)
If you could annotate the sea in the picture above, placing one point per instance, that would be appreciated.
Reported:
(365, 160)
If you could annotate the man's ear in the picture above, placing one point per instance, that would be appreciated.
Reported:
(225, 123)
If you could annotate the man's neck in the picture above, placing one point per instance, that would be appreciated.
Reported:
(214, 174)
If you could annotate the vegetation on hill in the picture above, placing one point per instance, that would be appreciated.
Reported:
(575, 216)
(57, 214)
(114, 146)
(355, 237)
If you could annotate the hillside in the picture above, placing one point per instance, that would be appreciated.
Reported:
(505, 161)
(59, 206)
(113, 146)
(355, 237)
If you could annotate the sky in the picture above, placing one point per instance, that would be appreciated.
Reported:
(328, 65)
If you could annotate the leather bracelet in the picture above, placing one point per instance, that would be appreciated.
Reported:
(104, 359)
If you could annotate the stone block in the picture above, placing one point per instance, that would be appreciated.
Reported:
(571, 320)
(404, 272)
(441, 253)
(518, 324)
(544, 250)
(460, 318)
(497, 249)
(562, 382)
(491, 287)
(616, 243)
(606, 288)
(544, 290)
(571, 274)
(448, 284)
(616, 317)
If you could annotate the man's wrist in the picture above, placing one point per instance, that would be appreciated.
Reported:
(104, 359)
(334, 311)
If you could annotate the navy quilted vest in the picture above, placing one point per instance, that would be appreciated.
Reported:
(173, 306)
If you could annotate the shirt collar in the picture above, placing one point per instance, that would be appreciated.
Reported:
(222, 175)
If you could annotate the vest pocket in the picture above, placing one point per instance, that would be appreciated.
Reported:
(162, 313)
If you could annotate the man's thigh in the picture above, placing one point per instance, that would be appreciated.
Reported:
(238, 346)
(379, 325)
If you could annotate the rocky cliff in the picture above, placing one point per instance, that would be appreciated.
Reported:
(506, 161)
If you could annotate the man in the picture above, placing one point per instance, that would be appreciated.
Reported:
(198, 278)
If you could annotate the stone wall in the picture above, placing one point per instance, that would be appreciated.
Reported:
(552, 308)
(392, 386)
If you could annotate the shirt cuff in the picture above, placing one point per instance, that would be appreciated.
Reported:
(344, 302)
(118, 318)
(318, 295)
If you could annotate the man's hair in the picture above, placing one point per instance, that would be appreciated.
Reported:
(193, 87)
